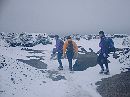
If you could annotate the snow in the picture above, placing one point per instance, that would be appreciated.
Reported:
(3, 43)
(89, 44)
(18, 79)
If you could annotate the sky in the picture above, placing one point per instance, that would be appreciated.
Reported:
(65, 16)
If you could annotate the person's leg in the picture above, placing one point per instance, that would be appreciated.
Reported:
(100, 62)
(102, 68)
(106, 65)
(70, 57)
(70, 64)
(59, 55)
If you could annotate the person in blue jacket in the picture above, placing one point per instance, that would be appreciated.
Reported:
(59, 49)
(103, 54)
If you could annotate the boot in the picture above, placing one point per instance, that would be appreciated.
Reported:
(60, 67)
(106, 71)
(102, 71)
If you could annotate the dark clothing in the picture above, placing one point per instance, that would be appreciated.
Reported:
(70, 64)
(103, 45)
(70, 47)
(102, 58)
(70, 55)
(59, 49)
(59, 56)
(59, 45)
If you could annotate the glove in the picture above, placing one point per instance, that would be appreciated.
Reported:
(54, 50)
(64, 55)
(75, 56)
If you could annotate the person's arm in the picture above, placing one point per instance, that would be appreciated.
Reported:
(104, 49)
(57, 45)
(76, 51)
(75, 47)
(64, 47)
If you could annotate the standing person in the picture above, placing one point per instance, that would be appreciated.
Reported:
(59, 49)
(70, 49)
(103, 55)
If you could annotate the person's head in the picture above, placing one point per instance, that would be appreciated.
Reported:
(101, 34)
(56, 37)
(69, 38)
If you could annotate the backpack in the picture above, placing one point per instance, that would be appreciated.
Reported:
(70, 46)
(62, 42)
(110, 44)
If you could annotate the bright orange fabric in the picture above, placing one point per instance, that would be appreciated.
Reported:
(74, 46)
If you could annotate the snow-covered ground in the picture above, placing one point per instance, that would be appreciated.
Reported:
(18, 79)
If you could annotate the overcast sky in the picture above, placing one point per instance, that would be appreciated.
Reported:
(60, 16)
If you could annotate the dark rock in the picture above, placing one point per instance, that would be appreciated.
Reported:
(85, 61)
(25, 75)
(83, 50)
(116, 86)
(58, 77)
(35, 63)
(128, 69)
(115, 55)
(2, 91)
(12, 79)
(42, 71)
(44, 81)
(79, 46)
(54, 75)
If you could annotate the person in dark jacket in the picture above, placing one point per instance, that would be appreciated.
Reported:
(59, 49)
(103, 55)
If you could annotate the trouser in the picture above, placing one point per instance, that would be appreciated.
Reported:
(70, 57)
(59, 56)
(102, 60)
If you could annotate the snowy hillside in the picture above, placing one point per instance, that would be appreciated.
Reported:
(29, 71)
(25, 39)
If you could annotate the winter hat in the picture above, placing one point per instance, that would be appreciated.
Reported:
(68, 37)
(101, 32)
(57, 36)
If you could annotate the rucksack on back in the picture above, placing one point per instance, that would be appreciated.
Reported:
(110, 43)
(62, 43)
(70, 46)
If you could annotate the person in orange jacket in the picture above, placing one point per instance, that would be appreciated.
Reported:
(70, 49)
